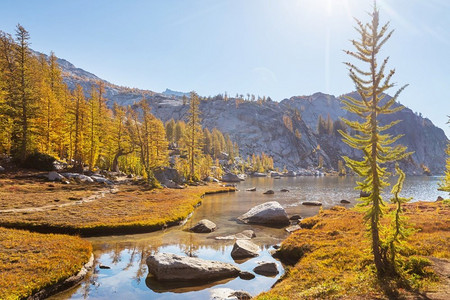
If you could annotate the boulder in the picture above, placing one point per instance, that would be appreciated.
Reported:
(172, 185)
(275, 174)
(172, 267)
(203, 226)
(165, 174)
(84, 178)
(244, 249)
(256, 174)
(230, 177)
(343, 201)
(439, 198)
(292, 228)
(364, 194)
(101, 179)
(266, 268)
(290, 174)
(295, 217)
(269, 213)
(55, 176)
(269, 192)
(253, 189)
(312, 203)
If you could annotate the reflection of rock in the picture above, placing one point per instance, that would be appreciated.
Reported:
(269, 213)
(203, 226)
(244, 235)
(181, 286)
(312, 203)
(244, 249)
(266, 268)
(168, 267)
(229, 294)
(246, 275)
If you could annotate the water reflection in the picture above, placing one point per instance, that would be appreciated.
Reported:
(126, 255)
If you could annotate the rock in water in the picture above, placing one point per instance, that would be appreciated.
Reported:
(312, 203)
(269, 192)
(269, 213)
(292, 228)
(266, 268)
(253, 189)
(343, 201)
(172, 267)
(229, 294)
(203, 226)
(230, 177)
(244, 249)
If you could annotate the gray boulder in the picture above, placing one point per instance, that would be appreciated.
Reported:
(203, 226)
(256, 174)
(172, 267)
(269, 213)
(266, 268)
(244, 249)
(230, 177)
(55, 176)
(290, 174)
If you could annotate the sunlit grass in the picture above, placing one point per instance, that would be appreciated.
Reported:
(32, 261)
(333, 258)
(132, 209)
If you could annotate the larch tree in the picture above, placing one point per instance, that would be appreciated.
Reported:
(371, 84)
(194, 136)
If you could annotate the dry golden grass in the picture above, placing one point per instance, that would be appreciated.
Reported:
(32, 261)
(334, 260)
(35, 192)
(132, 209)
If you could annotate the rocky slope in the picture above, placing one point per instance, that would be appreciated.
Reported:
(266, 127)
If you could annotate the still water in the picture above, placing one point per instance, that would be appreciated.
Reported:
(125, 255)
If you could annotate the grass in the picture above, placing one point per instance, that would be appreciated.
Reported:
(30, 262)
(37, 192)
(131, 210)
(332, 259)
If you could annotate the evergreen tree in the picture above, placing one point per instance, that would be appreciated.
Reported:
(376, 146)
(194, 135)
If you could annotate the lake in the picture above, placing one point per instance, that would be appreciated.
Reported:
(126, 255)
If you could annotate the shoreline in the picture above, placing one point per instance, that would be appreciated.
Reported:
(66, 284)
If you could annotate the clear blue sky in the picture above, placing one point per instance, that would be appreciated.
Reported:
(277, 48)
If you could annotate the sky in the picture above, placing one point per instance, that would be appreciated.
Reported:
(276, 48)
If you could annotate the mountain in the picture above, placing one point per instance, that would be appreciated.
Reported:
(286, 130)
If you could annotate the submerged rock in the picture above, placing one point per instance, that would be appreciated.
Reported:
(269, 213)
(172, 267)
(312, 203)
(244, 249)
(229, 294)
(244, 235)
(266, 268)
(204, 226)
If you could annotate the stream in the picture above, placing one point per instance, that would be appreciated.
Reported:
(125, 255)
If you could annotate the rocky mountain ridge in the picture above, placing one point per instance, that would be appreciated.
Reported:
(286, 130)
